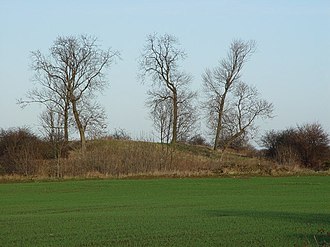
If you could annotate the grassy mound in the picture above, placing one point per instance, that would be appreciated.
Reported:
(122, 158)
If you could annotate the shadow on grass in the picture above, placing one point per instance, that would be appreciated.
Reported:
(320, 237)
(306, 218)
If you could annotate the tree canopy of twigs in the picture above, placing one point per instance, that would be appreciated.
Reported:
(68, 79)
(232, 105)
(169, 98)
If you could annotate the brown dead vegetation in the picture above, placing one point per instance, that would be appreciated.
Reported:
(137, 159)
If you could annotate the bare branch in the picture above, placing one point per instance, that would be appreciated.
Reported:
(160, 62)
(232, 106)
(72, 73)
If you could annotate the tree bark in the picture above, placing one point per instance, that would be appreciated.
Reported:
(220, 115)
(79, 125)
(175, 118)
(66, 124)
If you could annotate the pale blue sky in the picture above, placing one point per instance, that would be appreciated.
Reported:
(291, 67)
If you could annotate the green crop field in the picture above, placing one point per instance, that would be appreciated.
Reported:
(286, 211)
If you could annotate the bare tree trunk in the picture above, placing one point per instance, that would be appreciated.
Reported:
(66, 124)
(175, 118)
(220, 116)
(217, 134)
(79, 125)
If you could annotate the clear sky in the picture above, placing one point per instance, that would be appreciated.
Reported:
(291, 67)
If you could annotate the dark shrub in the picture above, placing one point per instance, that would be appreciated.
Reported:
(121, 134)
(19, 148)
(198, 140)
(307, 144)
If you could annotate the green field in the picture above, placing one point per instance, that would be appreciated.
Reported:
(287, 211)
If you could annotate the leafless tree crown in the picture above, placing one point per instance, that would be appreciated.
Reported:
(232, 106)
(69, 78)
(169, 97)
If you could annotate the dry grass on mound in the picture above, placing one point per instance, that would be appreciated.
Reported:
(131, 159)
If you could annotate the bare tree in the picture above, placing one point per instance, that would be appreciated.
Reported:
(93, 118)
(187, 115)
(161, 115)
(245, 107)
(73, 72)
(220, 81)
(160, 60)
(51, 93)
(52, 126)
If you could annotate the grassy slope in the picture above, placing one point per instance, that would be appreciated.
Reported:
(134, 158)
(166, 212)
(118, 159)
